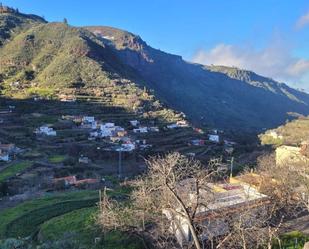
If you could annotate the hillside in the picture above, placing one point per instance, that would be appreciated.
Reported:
(212, 95)
(291, 133)
(46, 59)
(12, 22)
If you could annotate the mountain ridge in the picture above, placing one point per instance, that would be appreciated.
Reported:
(54, 56)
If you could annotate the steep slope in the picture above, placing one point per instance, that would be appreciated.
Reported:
(208, 95)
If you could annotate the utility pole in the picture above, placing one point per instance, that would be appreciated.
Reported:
(232, 164)
(119, 165)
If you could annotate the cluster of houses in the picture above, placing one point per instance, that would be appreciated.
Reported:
(112, 132)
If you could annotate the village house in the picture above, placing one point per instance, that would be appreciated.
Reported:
(154, 129)
(68, 180)
(115, 139)
(182, 123)
(134, 123)
(88, 119)
(198, 142)
(45, 130)
(89, 122)
(66, 98)
(83, 159)
(172, 126)
(198, 130)
(72, 181)
(109, 130)
(126, 147)
(223, 200)
(141, 130)
(7, 150)
(214, 138)
(4, 156)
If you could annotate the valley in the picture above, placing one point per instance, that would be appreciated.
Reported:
(107, 142)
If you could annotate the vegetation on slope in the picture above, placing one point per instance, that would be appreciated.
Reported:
(293, 133)
(216, 96)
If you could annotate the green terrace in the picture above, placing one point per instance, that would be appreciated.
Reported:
(14, 168)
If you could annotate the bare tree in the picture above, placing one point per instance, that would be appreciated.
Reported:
(176, 193)
(171, 188)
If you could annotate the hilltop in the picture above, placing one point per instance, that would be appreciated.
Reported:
(54, 58)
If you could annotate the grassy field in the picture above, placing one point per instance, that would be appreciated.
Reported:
(13, 169)
(81, 224)
(28, 214)
(292, 240)
(56, 158)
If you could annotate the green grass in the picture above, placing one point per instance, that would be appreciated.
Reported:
(28, 223)
(20, 217)
(81, 223)
(26, 218)
(292, 240)
(57, 158)
(13, 169)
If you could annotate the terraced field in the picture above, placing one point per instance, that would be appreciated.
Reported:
(32, 214)
(13, 169)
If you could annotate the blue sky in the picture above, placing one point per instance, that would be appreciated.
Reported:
(267, 36)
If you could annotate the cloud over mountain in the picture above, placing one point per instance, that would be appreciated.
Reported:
(275, 60)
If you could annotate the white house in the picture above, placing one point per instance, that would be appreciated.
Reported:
(109, 125)
(126, 147)
(214, 138)
(141, 130)
(107, 129)
(223, 200)
(88, 119)
(45, 130)
(172, 126)
(4, 156)
(182, 123)
(106, 133)
(154, 129)
(134, 123)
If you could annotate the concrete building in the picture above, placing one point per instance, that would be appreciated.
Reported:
(222, 200)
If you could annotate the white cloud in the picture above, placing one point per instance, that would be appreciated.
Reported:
(275, 61)
(302, 21)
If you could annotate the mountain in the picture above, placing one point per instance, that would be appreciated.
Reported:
(218, 96)
(50, 58)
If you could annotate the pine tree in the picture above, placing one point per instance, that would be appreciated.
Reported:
(65, 21)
